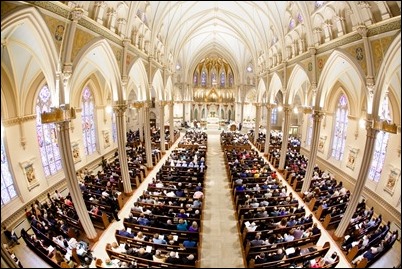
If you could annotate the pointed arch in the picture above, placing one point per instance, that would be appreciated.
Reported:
(157, 84)
(98, 57)
(28, 49)
(261, 90)
(389, 78)
(169, 89)
(275, 86)
(138, 79)
(297, 80)
(340, 67)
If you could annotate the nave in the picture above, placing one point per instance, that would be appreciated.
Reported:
(221, 247)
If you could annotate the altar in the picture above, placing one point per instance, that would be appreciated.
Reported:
(213, 120)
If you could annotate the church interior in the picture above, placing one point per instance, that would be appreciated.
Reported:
(201, 134)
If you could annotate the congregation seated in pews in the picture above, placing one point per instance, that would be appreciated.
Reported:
(270, 219)
(164, 224)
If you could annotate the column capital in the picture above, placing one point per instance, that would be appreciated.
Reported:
(286, 108)
(76, 14)
(362, 30)
(137, 104)
(257, 104)
(312, 50)
(370, 83)
(126, 42)
(119, 109)
(163, 103)
(318, 114)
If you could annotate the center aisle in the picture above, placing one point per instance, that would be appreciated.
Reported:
(221, 246)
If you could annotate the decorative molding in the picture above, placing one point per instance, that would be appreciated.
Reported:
(392, 24)
(75, 149)
(392, 180)
(18, 120)
(106, 139)
(29, 171)
(352, 158)
(321, 143)
(345, 40)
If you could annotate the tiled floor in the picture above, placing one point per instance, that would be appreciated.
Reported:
(221, 245)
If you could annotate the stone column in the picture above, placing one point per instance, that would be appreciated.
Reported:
(162, 125)
(317, 117)
(360, 181)
(257, 121)
(147, 134)
(268, 128)
(171, 122)
(285, 136)
(140, 111)
(119, 111)
(362, 30)
(72, 182)
(75, 15)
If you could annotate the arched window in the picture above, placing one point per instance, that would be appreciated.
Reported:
(341, 125)
(8, 191)
(213, 79)
(319, 4)
(47, 135)
(203, 79)
(223, 79)
(309, 130)
(195, 81)
(300, 18)
(274, 116)
(292, 24)
(381, 143)
(88, 122)
(114, 128)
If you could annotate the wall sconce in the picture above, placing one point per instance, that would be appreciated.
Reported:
(280, 108)
(249, 68)
(362, 123)
(108, 109)
(295, 110)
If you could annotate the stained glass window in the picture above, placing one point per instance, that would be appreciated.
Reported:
(274, 116)
(114, 128)
(88, 122)
(213, 78)
(195, 79)
(203, 79)
(8, 191)
(292, 24)
(309, 130)
(341, 125)
(319, 3)
(223, 79)
(300, 18)
(47, 135)
(381, 143)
